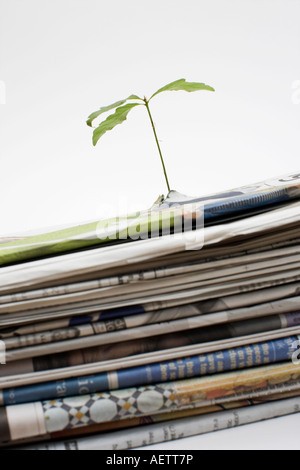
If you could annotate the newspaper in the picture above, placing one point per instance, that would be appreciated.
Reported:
(237, 202)
(93, 361)
(273, 351)
(240, 247)
(205, 269)
(179, 319)
(84, 314)
(176, 429)
(265, 242)
(252, 398)
(114, 327)
(42, 418)
(76, 316)
(60, 267)
(138, 421)
(164, 280)
(170, 335)
(164, 300)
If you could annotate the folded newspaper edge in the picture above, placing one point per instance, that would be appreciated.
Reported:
(99, 259)
(168, 213)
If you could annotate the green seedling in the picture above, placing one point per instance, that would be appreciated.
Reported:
(121, 112)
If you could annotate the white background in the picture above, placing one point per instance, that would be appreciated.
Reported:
(60, 60)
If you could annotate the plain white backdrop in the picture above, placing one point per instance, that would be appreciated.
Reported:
(60, 60)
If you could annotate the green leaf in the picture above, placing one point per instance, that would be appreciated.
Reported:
(182, 84)
(134, 97)
(119, 116)
(104, 109)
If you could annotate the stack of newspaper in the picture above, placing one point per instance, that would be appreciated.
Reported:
(176, 321)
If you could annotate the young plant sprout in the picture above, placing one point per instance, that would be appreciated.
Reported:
(121, 112)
